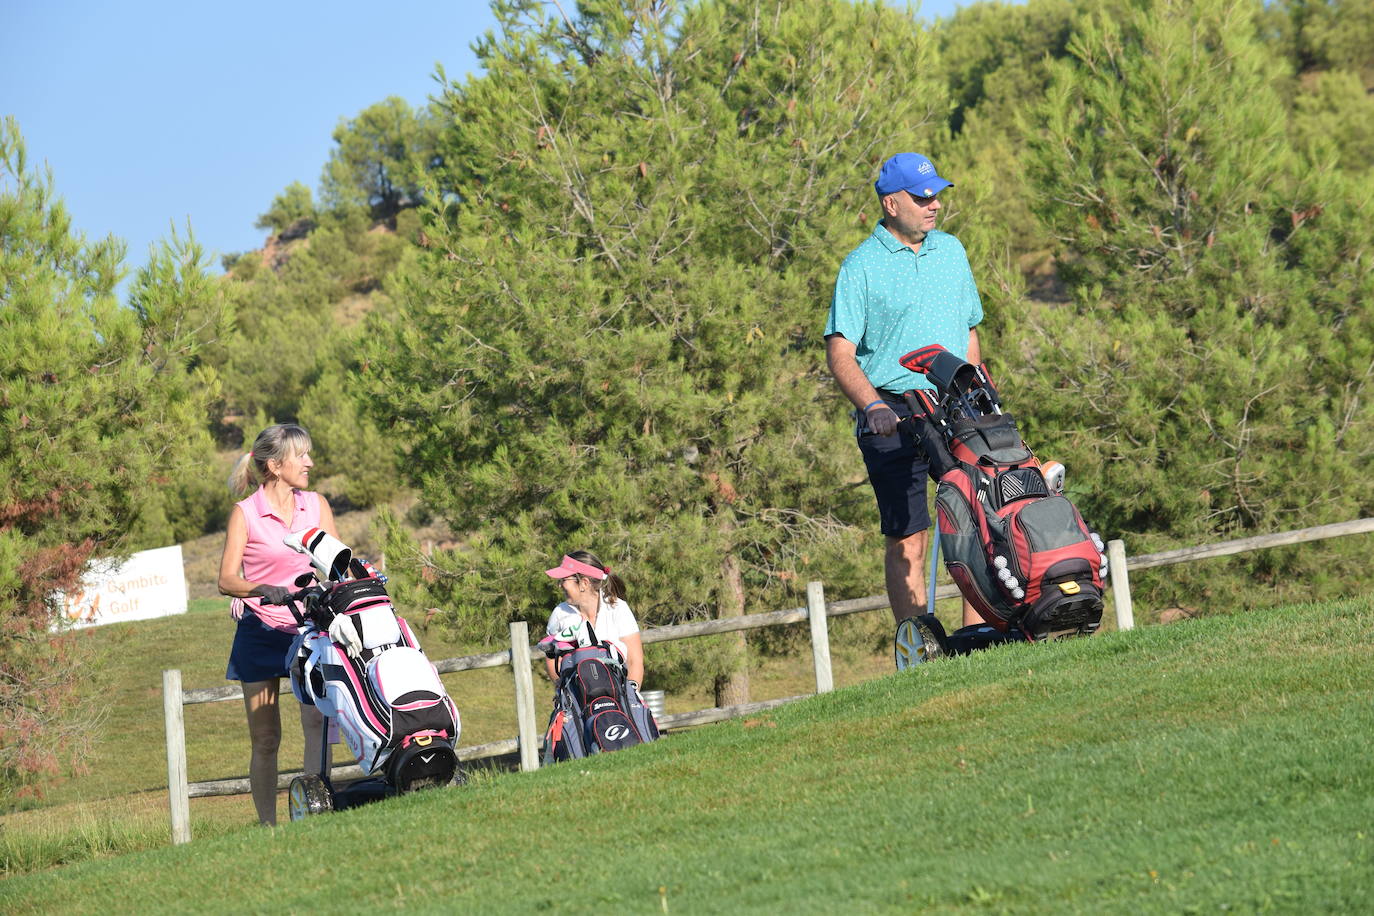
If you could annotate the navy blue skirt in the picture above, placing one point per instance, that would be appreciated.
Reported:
(259, 652)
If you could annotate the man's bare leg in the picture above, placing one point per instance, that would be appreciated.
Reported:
(971, 616)
(903, 569)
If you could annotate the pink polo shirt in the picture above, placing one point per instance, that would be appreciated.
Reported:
(266, 560)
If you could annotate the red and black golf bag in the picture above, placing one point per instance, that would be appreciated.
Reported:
(1019, 551)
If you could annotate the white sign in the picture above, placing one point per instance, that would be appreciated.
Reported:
(148, 584)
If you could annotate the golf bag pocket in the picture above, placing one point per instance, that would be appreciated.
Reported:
(595, 681)
(368, 609)
(641, 716)
(339, 689)
(295, 668)
(963, 535)
(1042, 535)
(1020, 483)
(409, 688)
(608, 727)
(317, 659)
(1063, 566)
(601, 690)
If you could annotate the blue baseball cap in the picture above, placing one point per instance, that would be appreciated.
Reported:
(910, 172)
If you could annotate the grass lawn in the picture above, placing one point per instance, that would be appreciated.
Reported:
(1220, 763)
(119, 804)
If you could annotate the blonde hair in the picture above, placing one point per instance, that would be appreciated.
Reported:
(277, 442)
(612, 587)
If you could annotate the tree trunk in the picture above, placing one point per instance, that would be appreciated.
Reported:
(732, 686)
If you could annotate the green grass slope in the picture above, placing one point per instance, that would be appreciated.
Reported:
(1218, 763)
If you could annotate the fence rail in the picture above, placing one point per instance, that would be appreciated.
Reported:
(816, 612)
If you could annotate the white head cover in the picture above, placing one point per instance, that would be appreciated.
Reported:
(575, 633)
(327, 554)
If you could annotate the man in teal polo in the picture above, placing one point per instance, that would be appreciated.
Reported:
(906, 286)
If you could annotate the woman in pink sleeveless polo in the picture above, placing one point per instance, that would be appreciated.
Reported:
(258, 571)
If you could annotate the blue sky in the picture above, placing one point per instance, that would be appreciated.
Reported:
(152, 113)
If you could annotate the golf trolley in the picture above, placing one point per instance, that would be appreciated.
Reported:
(361, 666)
(1013, 542)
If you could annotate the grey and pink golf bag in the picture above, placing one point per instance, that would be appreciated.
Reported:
(596, 709)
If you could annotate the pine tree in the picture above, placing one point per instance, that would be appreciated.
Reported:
(1211, 376)
(997, 60)
(99, 405)
(381, 158)
(292, 207)
(614, 340)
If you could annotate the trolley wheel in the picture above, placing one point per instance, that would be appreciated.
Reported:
(914, 643)
(309, 795)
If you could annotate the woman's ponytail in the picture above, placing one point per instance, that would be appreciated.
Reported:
(613, 587)
(242, 478)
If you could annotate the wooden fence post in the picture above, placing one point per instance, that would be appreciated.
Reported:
(178, 793)
(524, 695)
(820, 637)
(1121, 585)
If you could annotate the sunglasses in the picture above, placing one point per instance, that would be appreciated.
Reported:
(919, 201)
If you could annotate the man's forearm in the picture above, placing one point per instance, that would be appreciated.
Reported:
(851, 379)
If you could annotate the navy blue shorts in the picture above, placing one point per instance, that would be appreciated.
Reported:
(259, 652)
(897, 469)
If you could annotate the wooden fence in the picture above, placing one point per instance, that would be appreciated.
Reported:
(817, 612)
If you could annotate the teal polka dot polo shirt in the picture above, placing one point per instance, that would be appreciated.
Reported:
(890, 300)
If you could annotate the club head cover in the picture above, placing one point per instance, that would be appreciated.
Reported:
(327, 554)
(574, 634)
(922, 359)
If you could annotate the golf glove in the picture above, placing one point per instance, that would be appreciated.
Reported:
(271, 594)
(344, 633)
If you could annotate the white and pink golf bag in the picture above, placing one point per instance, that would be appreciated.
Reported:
(361, 666)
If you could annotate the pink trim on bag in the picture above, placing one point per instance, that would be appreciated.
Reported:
(367, 604)
(408, 637)
(418, 704)
(430, 733)
(362, 699)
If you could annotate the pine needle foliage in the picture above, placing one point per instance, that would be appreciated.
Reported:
(102, 432)
(1212, 375)
(614, 341)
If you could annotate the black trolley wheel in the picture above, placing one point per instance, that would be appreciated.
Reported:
(309, 795)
